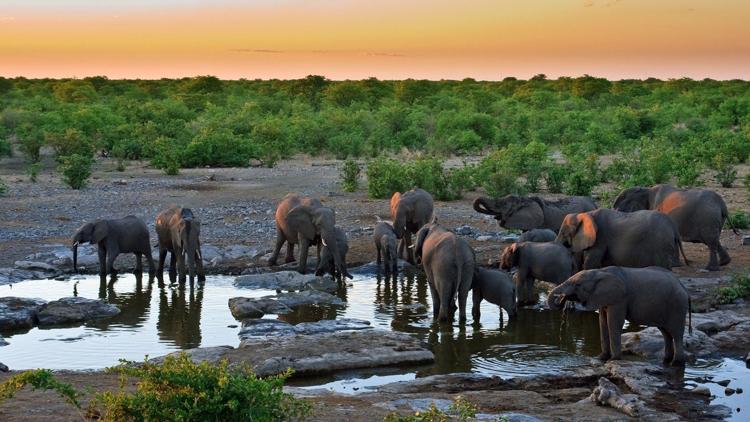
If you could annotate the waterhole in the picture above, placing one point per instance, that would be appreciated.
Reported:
(158, 319)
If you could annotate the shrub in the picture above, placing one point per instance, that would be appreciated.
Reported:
(31, 140)
(726, 174)
(460, 410)
(738, 288)
(350, 175)
(5, 148)
(688, 175)
(69, 143)
(429, 174)
(501, 183)
(76, 169)
(746, 182)
(39, 379)
(738, 219)
(3, 188)
(33, 171)
(181, 390)
(167, 156)
(579, 183)
(384, 177)
(554, 176)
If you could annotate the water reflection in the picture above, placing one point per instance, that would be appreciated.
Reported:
(180, 314)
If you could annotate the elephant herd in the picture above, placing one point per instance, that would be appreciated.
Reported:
(617, 261)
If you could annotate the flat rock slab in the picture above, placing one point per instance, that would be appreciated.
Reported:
(373, 267)
(641, 377)
(321, 353)
(308, 297)
(17, 313)
(75, 309)
(242, 307)
(286, 280)
(3, 342)
(259, 328)
(649, 342)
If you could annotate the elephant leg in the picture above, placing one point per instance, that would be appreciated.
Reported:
(102, 260)
(677, 333)
(531, 300)
(409, 249)
(713, 260)
(304, 245)
(199, 265)
(615, 320)
(462, 307)
(476, 302)
(668, 346)
(162, 258)
(604, 335)
(111, 256)
(150, 262)
(181, 271)
(377, 248)
(138, 263)
(289, 253)
(172, 263)
(724, 257)
(280, 239)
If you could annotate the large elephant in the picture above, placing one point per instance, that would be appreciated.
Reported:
(546, 261)
(448, 262)
(608, 237)
(385, 244)
(327, 263)
(306, 221)
(698, 213)
(527, 213)
(113, 237)
(497, 288)
(649, 296)
(410, 211)
(179, 231)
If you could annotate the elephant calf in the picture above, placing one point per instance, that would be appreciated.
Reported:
(179, 231)
(448, 262)
(497, 288)
(649, 296)
(113, 237)
(385, 243)
(547, 261)
(537, 235)
(327, 263)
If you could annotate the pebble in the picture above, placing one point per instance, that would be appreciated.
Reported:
(729, 391)
(723, 383)
(745, 240)
(701, 390)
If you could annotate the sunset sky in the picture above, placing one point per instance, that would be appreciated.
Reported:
(388, 39)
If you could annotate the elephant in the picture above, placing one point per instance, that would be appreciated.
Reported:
(537, 235)
(306, 221)
(547, 261)
(448, 263)
(526, 213)
(609, 237)
(178, 231)
(698, 213)
(410, 211)
(649, 296)
(113, 237)
(385, 243)
(327, 263)
(497, 288)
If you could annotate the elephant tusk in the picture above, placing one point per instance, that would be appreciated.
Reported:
(324, 242)
(75, 243)
(411, 246)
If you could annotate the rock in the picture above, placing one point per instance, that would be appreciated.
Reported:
(484, 238)
(211, 253)
(464, 230)
(729, 391)
(3, 342)
(243, 308)
(747, 360)
(745, 240)
(511, 238)
(240, 251)
(264, 327)
(738, 390)
(200, 354)
(607, 393)
(638, 376)
(735, 338)
(308, 297)
(650, 343)
(18, 313)
(723, 383)
(701, 390)
(372, 268)
(75, 309)
(3, 367)
(713, 322)
(36, 266)
(286, 280)
(120, 182)
(416, 404)
(267, 305)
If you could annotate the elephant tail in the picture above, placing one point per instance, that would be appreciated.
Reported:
(726, 217)
(690, 315)
(682, 250)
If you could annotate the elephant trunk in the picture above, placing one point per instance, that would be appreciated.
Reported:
(191, 240)
(559, 295)
(480, 205)
(75, 256)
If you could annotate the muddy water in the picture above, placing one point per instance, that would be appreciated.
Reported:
(156, 320)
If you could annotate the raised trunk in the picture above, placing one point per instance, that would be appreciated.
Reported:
(480, 205)
(558, 296)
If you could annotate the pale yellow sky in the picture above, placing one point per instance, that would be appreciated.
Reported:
(387, 39)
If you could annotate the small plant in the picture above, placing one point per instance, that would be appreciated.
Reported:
(688, 175)
(33, 171)
(726, 174)
(501, 183)
(739, 219)
(579, 184)
(76, 169)
(181, 390)
(350, 176)
(3, 188)
(554, 176)
(39, 379)
(460, 410)
(120, 165)
(746, 182)
(385, 176)
(738, 288)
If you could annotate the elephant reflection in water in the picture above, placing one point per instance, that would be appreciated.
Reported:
(452, 350)
(574, 332)
(180, 314)
(392, 296)
(134, 306)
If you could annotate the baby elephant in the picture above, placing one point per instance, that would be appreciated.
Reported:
(495, 286)
(327, 263)
(547, 261)
(537, 235)
(650, 296)
(113, 237)
(179, 233)
(385, 243)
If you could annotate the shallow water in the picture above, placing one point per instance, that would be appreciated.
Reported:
(156, 320)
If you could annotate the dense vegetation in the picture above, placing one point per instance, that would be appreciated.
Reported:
(658, 130)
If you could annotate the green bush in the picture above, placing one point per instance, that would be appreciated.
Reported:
(460, 410)
(350, 176)
(746, 182)
(501, 183)
(384, 177)
(181, 390)
(726, 174)
(76, 169)
(738, 219)
(33, 171)
(39, 379)
(554, 177)
(5, 148)
(3, 188)
(70, 142)
(738, 288)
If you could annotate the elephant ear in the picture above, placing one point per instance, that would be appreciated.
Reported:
(394, 203)
(526, 215)
(101, 230)
(585, 235)
(300, 219)
(609, 289)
